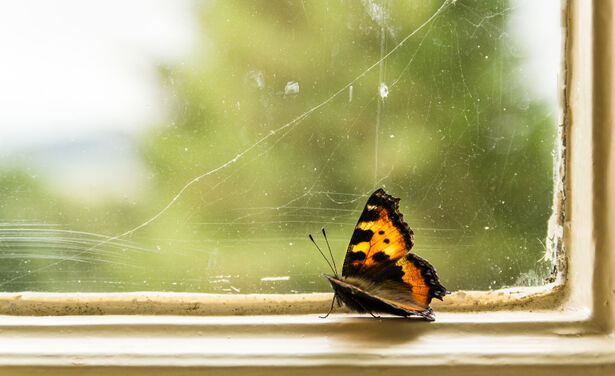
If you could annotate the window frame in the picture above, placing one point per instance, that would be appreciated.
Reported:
(561, 328)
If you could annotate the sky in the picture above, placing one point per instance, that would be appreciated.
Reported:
(541, 43)
(79, 82)
(70, 68)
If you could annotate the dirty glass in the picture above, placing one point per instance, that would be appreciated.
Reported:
(192, 146)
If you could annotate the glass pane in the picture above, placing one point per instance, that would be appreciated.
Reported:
(193, 146)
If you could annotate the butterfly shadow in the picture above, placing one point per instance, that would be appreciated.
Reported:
(382, 330)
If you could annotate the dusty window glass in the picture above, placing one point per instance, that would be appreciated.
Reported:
(194, 145)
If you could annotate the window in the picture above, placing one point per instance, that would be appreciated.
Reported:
(194, 153)
(574, 337)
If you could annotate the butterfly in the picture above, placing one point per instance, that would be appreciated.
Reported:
(380, 274)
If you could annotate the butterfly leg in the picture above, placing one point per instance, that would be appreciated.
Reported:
(330, 309)
(427, 314)
(367, 310)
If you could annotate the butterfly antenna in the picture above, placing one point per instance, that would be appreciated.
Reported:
(330, 253)
(323, 255)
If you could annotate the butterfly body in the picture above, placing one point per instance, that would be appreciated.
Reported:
(380, 274)
(348, 292)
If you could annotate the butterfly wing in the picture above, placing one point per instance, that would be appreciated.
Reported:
(380, 236)
(379, 255)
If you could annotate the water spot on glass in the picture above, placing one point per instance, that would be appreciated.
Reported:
(384, 90)
(524, 103)
(292, 87)
(374, 10)
(350, 93)
(392, 136)
(257, 78)
(270, 279)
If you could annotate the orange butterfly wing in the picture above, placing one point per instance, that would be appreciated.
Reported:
(380, 235)
(379, 253)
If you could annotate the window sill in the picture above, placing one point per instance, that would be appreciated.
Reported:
(348, 341)
(169, 303)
